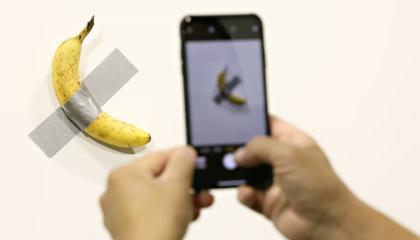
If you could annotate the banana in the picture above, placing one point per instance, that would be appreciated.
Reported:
(66, 81)
(229, 96)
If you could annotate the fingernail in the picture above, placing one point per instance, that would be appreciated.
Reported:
(239, 155)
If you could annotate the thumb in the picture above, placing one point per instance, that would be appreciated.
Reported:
(263, 150)
(180, 165)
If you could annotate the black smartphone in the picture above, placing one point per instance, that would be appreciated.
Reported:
(225, 96)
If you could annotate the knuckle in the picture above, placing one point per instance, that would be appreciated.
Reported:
(285, 153)
(115, 176)
(292, 152)
(311, 139)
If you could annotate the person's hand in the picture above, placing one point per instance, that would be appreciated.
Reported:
(306, 193)
(151, 197)
(307, 199)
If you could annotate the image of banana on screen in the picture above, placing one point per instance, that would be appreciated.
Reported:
(78, 103)
(226, 89)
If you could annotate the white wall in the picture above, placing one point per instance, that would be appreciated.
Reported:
(348, 72)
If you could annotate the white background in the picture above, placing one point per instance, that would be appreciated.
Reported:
(348, 72)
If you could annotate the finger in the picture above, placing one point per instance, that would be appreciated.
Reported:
(203, 200)
(274, 120)
(180, 166)
(263, 150)
(278, 127)
(279, 122)
(248, 196)
(271, 200)
(152, 164)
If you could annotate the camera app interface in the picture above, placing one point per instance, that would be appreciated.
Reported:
(226, 91)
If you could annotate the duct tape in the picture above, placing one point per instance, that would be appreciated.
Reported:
(103, 82)
(82, 109)
(224, 93)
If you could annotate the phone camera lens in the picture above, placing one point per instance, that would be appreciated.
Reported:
(190, 30)
(211, 29)
(255, 28)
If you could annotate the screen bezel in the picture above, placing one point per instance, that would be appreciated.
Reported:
(257, 176)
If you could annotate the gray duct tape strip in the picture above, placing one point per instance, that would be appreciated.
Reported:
(103, 82)
(82, 109)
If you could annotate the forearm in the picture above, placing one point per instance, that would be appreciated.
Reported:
(363, 222)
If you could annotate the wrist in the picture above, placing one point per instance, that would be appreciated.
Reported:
(137, 232)
(155, 231)
(350, 221)
(340, 218)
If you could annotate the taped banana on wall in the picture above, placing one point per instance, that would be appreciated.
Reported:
(78, 103)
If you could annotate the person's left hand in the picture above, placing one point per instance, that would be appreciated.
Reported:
(151, 197)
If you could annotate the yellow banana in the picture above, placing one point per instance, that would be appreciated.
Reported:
(229, 96)
(66, 81)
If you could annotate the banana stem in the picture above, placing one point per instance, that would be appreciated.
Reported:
(87, 29)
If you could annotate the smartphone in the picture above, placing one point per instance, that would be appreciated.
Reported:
(225, 96)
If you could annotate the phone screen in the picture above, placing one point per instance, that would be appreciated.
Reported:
(215, 118)
(225, 93)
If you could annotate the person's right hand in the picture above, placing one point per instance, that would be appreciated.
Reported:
(305, 192)
(307, 199)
